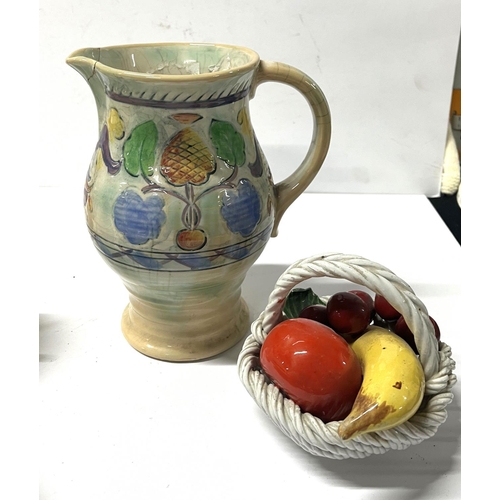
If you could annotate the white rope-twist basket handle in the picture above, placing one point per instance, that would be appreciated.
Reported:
(310, 432)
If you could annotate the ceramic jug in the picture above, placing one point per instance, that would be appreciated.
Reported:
(179, 199)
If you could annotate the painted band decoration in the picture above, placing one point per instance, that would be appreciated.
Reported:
(200, 103)
(181, 261)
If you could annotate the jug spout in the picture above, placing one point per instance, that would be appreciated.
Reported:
(84, 61)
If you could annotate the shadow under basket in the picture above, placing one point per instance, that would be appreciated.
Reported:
(309, 432)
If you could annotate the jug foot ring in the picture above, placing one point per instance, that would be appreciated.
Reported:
(161, 341)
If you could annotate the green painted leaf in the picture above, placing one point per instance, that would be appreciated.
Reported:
(229, 143)
(297, 300)
(139, 149)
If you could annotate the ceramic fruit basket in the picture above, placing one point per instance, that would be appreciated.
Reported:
(310, 432)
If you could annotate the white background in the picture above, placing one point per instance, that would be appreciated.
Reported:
(114, 424)
(386, 68)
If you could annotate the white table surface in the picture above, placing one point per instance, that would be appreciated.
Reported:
(115, 424)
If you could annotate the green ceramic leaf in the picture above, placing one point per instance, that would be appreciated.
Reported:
(297, 300)
(139, 150)
(229, 143)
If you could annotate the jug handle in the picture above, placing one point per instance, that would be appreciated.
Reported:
(289, 189)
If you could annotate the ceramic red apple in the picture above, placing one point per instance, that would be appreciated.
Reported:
(315, 367)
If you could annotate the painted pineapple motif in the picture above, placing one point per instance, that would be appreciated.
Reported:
(186, 159)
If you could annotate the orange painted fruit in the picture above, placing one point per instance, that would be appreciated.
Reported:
(313, 366)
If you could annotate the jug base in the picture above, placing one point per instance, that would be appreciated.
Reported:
(166, 342)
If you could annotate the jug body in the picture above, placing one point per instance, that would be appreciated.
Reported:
(179, 198)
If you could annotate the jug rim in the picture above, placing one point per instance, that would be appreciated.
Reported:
(88, 54)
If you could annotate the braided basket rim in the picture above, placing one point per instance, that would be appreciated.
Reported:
(309, 432)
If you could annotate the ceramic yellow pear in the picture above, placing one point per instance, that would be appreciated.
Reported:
(393, 384)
